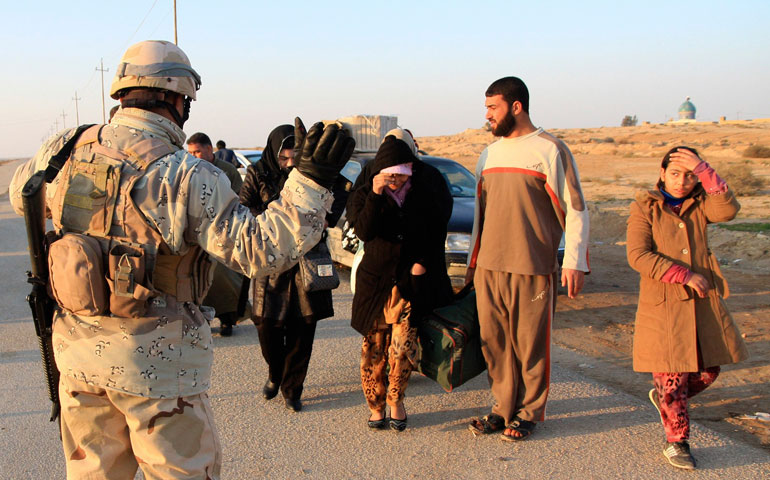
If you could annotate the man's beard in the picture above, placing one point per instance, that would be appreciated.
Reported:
(505, 127)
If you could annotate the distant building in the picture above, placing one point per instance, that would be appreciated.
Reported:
(687, 110)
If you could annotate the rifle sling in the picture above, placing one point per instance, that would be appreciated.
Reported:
(56, 163)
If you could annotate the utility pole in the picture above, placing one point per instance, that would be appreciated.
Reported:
(64, 124)
(56, 121)
(176, 41)
(102, 69)
(77, 115)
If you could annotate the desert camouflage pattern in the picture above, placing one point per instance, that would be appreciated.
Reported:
(189, 202)
(156, 64)
(169, 439)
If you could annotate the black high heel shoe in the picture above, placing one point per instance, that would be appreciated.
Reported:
(377, 424)
(398, 425)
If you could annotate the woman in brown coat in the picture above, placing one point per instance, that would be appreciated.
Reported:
(683, 330)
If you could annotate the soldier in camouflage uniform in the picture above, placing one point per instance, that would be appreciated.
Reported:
(138, 218)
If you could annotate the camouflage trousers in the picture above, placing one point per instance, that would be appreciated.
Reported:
(108, 435)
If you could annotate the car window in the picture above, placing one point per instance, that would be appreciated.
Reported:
(243, 161)
(248, 157)
(460, 181)
(351, 170)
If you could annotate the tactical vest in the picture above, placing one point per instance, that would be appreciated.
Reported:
(108, 258)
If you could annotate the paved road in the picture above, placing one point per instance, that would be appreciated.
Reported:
(592, 431)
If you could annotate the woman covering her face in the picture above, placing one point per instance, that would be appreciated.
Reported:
(399, 208)
(284, 313)
(683, 330)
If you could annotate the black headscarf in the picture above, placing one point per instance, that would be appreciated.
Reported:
(280, 138)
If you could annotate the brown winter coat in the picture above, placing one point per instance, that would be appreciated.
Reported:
(671, 320)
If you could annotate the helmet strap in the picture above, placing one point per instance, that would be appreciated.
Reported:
(186, 114)
(147, 99)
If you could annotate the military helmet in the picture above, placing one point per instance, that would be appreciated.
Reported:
(156, 64)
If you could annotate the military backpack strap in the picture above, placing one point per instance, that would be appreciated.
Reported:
(147, 151)
(56, 163)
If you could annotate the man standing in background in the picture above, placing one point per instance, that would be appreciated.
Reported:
(225, 154)
(528, 195)
(199, 145)
(226, 289)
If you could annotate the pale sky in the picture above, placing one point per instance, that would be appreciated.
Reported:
(587, 64)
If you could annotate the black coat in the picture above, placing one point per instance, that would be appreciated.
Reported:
(395, 238)
(281, 296)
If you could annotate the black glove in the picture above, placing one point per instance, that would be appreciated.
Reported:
(320, 153)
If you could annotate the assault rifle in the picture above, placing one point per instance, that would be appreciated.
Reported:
(33, 200)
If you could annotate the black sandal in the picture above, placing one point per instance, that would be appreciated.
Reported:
(487, 424)
(523, 427)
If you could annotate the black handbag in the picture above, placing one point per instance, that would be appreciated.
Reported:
(317, 269)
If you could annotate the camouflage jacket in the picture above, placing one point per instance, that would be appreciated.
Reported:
(189, 202)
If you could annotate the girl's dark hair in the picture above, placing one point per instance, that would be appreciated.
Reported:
(667, 158)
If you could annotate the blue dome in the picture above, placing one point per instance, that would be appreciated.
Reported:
(687, 106)
(687, 110)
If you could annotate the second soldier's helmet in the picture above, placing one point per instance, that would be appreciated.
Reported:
(156, 64)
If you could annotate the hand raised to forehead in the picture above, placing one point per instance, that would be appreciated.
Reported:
(685, 158)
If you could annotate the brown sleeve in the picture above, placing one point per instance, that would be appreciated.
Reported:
(639, 246)
(721, 207)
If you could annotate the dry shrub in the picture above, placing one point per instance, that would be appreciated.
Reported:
(757, 151)
(741, 179)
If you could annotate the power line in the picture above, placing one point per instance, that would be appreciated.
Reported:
(101, 69)
(140, 25)
(160, 22)
(88, 83)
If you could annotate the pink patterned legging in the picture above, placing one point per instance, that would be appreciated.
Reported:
(674, 389)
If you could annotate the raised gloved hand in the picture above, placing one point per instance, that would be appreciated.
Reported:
(321, 152)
